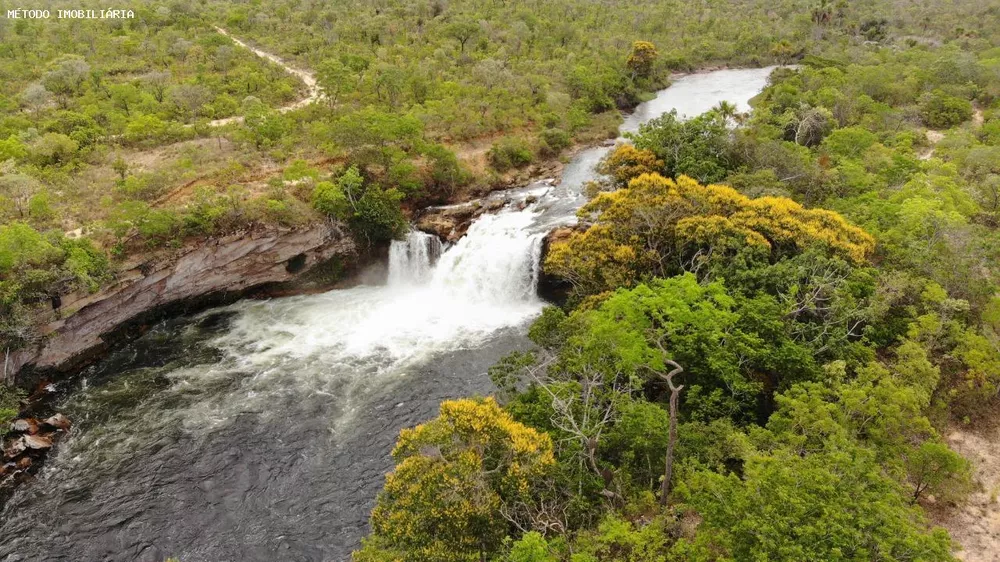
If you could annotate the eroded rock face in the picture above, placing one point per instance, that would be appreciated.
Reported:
(452, 222)
(449, 223)
(230, 264)
(552, 288)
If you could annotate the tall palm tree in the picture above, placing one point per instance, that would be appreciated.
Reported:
(727, 110)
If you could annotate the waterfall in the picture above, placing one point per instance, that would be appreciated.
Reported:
(495, 262)
(411, 260)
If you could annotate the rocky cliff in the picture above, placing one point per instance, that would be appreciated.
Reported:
(81, 325)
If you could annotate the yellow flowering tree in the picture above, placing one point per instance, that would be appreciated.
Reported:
(641, 58)
(454, 475)
(626, 162)
(659, 227)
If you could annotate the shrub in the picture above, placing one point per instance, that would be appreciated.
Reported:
(10, 403)
(990, 133)
(40, 207)
(337, 199)
(372, 212)
(849, 142)
(298, 170)
(378, 215)
(941, 111)
(145, 127)
(553, 141)
(54, 149)
(510, 152)
(446, 172)
(329, 199)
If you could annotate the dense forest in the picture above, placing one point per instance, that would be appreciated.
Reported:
(771, 320)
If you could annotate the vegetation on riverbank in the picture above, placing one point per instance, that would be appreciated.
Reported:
(765, 368)
(108, 150)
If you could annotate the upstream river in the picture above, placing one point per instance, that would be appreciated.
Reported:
(261, 431)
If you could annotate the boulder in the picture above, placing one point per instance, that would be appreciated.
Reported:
(14, 447)
(494, 205)
(449, 223)
(58, 422)
(25, 425)
(37, 442)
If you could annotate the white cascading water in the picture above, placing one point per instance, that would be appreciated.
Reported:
(496, 262)
(411, 260)
(436, 300)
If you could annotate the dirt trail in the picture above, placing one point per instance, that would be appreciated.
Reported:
(307, 77)
(976, 525)
(933, 137)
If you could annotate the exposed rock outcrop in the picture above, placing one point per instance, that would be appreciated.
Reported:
(229, 265)
(26, 447)
(551, 288)
(452, 222)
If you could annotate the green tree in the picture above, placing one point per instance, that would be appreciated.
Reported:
(19, 189)
(699, 147)
(510, 152)
(622, 540)
(336, 79)
(532, 547)
(849, 142)
(66, 77)
(374, 137)
(263, 126)
(53, 149)
(36, 97)
(126, 97)
(783, 51)
(462, 31)
(40, 207)
(378, 214)
(935, 469)
(824, 506)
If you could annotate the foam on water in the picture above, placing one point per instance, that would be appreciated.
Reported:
(484, 283)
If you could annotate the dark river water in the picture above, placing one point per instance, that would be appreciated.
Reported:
(262, 431)
(276, 481)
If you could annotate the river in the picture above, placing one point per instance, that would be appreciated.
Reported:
(261, 431)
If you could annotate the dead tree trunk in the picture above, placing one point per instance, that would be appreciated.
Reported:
(675, 393)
